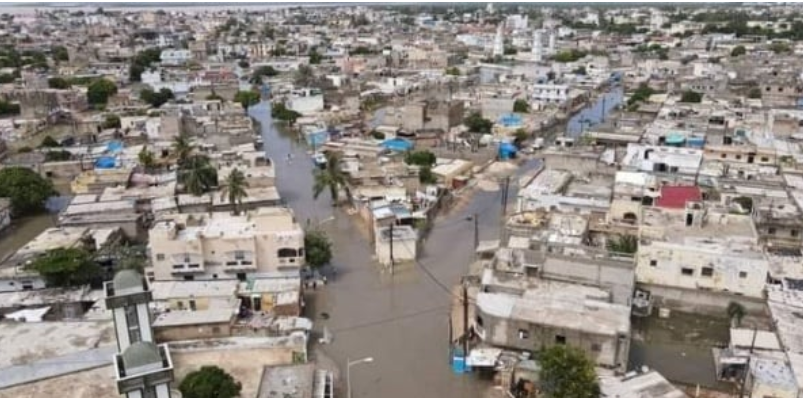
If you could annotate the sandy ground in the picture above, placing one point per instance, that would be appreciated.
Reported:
(52, 339)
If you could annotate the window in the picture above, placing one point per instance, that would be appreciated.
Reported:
(765, 159)
(160, 257)
(479, 321)
(560, 339)
(287, 252)
(193, 265)
(742, 274)
(771, 231)
(687, 271)
(193, 306)
(132, 321)
(239, 255)
(189, 277)
(653, 263)
(180, 305)
(794, 233)
(724, 155)
(178, 266)
(707, 271)
(523, 334)
(738, 157)
(595, 347)
(215, 329)
(186, 258)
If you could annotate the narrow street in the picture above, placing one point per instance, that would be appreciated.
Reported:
(399, 320)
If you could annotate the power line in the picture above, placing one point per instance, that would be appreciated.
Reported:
(391, 319)
(434, 279)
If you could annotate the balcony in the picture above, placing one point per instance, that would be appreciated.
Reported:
(187, 268)
(240, 266)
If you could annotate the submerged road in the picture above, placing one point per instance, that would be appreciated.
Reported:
(400, 320)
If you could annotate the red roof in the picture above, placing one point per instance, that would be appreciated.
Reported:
(676, 197)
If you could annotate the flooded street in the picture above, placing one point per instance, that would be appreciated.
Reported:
(400, 320)
(22, 231)
(593, 114)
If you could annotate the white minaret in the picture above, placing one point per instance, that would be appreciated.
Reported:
(537, 50)
(552, 42)
(142, 369)
(499, 43)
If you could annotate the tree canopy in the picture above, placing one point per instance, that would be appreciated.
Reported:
(738, 50)
(247, 98)
(27, 190)
(318, 248)
(477, 124)
(567, 372)
(420, 158)
(521, 106)
(209, 382)
(143, 61)
(280, 111)
(111, 121)
(156, 98)
(58, 83)
(66, 267)
(100, 90)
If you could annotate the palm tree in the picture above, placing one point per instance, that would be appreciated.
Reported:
(235, 188)
(332, 177)
(146, 159)
(626, 244)
(198, 175)
(736, 312)
(183, 148)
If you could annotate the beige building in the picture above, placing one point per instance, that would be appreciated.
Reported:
(225, 246)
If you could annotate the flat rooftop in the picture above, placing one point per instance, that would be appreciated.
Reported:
(165, 290)
(26, 343)
(650, 384)
(548, 182)
(187, 318)
(288, 381)
(717, 226)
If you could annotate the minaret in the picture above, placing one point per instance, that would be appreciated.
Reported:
(142, 369)
(552, 42)
(537, 50)
(499, 43)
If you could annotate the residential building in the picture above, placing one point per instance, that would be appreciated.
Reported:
(225, 246)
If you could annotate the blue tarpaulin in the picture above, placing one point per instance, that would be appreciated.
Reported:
(510, 120)
(507, 151)
(114, 146)
(397, 144)
(106, 162)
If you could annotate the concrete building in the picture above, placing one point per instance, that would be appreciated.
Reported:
(550, 93)
(548, 313)
(700, 249)
(400, 245)
(224, 246)
(175, 57)
(306, 101)
(639, 384)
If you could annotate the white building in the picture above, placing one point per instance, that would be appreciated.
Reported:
(175, 57)
(696, 248)
(662, 159)
(537, 46)
(550, 93)
(499, 43)
(402, 244)
(517, 22)
(306, 101)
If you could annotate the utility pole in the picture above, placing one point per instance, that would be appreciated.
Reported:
(465, 323)
(392, 260)
(749, 357)
(476, 232)
(505, 195)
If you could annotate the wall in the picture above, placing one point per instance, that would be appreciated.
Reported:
(192, 332)
(663, 263)
(607, 351)
(616, 277)
(16, 285)
(699, 301)
(402, 251)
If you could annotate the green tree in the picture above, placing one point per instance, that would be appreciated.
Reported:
(780, 47)
(146, 159)
(420, 158)
(49, 142)
(58, 83)
(27, 190)
(111, 121)
(100, 90)
(58, 156)
(738, 50)
(280, 111)
(143, 61)
(197, 175)
(691, 96)
(213, 96)
(453, 71)
(209, 382)
(236, 189)
(567, 372)
(426, 176)
(60, 53)
(520, 137)
(626, 244)
(156, 99)
(315, 58)
(262, 71)
(569, 56)
(65, 267)
(182, 148)
(247, 98)
(243, 63)
(331, 177)
(6, 78)
(521, 106)
(317, 248)
(9, 108)
(477, 124)
(580, 70)
(736, 313)
(754, 93)
(642, 93)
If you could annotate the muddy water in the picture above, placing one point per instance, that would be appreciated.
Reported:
(400, 320)
(21, 232)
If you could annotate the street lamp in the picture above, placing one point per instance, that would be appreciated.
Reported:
(349, 364)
